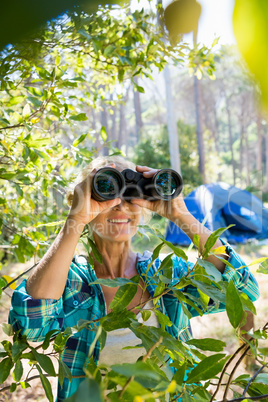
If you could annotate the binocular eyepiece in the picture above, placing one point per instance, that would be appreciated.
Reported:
(108, 184)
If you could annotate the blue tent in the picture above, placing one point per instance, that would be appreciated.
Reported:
(220, 205)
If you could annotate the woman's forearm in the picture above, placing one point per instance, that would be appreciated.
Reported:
(191, 226)
(49, 277)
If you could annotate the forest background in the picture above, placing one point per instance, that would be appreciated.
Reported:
(85, 86)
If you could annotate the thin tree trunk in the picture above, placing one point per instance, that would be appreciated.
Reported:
(137, 107)
(122, 125)
(247, 159)
(113, 127)
(199, 132)
(172, 125)
(104, 123)
(97, 143)
(230, 133)
(266, 162)
(122, 121)
(259, 146)
(242, 129)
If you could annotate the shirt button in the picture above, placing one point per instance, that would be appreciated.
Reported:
(75, 302)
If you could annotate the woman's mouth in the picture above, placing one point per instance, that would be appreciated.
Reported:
(119, 221)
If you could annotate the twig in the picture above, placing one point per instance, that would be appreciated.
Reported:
(148, 354)
(152, 348)
(224, 370)
(233, 371)
(126, 385)
(253, 378)
(251, 398)
(25, 272)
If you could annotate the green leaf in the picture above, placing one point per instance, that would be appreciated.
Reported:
(179, 374)
(5, 368)
(210, 269)
(26, 111)
(196, 240)
(97, 255)
(163, 319)
(177, 251)
(117, 319)
(108, 50)
(207, 368)
(140, 89)
(13, 387)
(17, 348)
(146, 314)
(123, 297)
(212, 240)
(18, 371)
(113, 283)
(25, 385)
(46, 342)
(79, 117)
(79, 140)
(139, 369)
(103, 133)
(213, 345)
(64, 371)
(88, 390)
(7, 328)
(234, 307)
(263, 268)
(45, 362)
(251, 31)
(47, 387)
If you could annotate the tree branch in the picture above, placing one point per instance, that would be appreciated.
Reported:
(253, 378)
(233, 371)
(251, 398)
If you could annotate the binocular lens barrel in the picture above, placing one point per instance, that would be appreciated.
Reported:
(165, 184)
(109, 183)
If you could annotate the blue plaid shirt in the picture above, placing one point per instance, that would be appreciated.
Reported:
(81, 300)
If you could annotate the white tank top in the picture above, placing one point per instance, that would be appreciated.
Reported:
(112, 352)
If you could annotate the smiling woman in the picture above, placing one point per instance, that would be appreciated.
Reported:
(63, 290)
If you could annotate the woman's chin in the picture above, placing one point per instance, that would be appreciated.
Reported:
(119, 234)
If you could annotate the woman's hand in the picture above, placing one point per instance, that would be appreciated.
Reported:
(172, 209)
(84, 208)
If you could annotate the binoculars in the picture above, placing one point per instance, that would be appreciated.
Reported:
(108, 184)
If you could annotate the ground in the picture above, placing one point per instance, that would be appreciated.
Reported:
(212, 326)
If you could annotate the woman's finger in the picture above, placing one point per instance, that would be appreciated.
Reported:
(143, 203)
(146, 170)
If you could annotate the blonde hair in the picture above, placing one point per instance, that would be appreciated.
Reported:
(97, 163)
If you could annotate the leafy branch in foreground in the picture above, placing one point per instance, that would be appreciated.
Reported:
(196, 362)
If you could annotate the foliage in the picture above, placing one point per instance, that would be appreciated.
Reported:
(153, 150)
(146, 379)
(250, 28)
(51, 86)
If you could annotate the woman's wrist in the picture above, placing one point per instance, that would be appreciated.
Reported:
(73, 224)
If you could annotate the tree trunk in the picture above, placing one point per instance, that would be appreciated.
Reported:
(104, 123)
(122, 125)
(230, 134)
(199, 132)
(137, 107)
(122, 121)
(113, 127)
(247, 159)
(97, 143)
(259, 146)
(266, 162)
(172, 125)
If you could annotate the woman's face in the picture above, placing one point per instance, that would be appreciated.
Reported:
(119, 223)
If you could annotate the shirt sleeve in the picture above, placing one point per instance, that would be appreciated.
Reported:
(34, 317)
